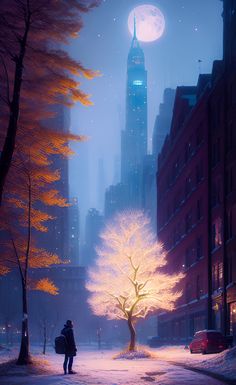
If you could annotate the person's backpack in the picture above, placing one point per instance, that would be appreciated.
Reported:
(60, 344)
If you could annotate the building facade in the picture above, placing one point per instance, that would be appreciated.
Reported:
(197, 198)
(182, 209)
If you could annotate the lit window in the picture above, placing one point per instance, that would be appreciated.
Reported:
(137, 82)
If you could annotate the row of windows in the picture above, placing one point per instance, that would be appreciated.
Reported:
(183, 227)
(185, 155)
(194, 290)
(183, 328)
(183, 194)
(217, 276)
(217, 230)
(194, 252)
(216, 233)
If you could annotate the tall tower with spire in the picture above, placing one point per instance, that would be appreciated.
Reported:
(134, 137)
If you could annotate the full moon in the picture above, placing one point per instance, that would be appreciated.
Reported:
(150, 22)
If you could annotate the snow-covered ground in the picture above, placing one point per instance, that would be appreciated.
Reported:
(99, 367)
(222, 363)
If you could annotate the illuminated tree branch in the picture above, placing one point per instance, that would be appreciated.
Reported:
(128, 281)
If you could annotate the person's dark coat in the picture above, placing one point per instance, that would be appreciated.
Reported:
(70, 346)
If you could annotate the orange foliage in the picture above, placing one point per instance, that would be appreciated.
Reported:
(49, 79)
(47, 286)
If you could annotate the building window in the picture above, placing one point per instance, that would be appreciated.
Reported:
(233, 88)
(232, 319)
(188, 186)
(188, 257)
(230, 268)
(229, 180)
(217, 276)
(176, 203)
(229, 224)
(175, 169)
(215, 157)
(221, 274)
(188, 151)
(215, 193)
(216, 229)
(199, 172)
(230, 137)
(199, 209)
(199, 290)
(188, 294)
(199, 136)
(199, 248)
(188, 222)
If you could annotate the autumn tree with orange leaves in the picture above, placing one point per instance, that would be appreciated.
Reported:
(34, 72)
(28, 193)
(128, 282)
(34, 75)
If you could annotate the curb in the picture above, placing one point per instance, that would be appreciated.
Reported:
(208, 373)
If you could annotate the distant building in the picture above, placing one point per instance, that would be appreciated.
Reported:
(93, 226)
(56, 239)
(134, 137)
(163, 121)
(128, 193)
(115, 199)
(74, 233)
(149, 191)
(161, 129)
(101, 184)
(197, 198)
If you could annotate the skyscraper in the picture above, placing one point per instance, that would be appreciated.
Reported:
(58, 240)
(163, 121)
(74, 235)
(134, 137)
(93, 226)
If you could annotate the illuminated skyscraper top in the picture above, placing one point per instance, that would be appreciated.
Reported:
(134, 137)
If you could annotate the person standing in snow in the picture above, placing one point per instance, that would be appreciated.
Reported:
(71, 350)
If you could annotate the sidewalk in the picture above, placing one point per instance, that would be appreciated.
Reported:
(221, 365)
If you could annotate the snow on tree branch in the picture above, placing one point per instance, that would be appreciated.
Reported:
(128, 279)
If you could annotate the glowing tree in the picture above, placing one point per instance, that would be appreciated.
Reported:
(128, 281)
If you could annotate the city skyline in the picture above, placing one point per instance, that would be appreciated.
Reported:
(161, 56)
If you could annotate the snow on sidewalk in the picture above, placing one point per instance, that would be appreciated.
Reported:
(96, 368)
(223, 363)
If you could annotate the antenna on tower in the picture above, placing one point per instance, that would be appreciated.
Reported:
(135, 36)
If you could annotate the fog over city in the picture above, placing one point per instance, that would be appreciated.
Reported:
(192, 40)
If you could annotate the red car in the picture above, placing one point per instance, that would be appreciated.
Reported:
(208, 341)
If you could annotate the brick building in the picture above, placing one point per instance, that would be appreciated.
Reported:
(182, 210)
(197, 197)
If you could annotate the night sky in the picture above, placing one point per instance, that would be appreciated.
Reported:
(193, 32)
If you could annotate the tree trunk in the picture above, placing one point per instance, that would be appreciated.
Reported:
(9, 143)
(24, 356)
(132, 343)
